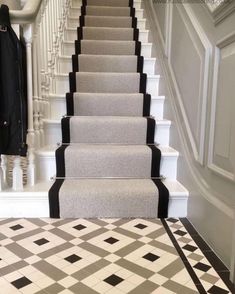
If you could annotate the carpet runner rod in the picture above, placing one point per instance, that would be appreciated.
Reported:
(112, 178)
(108, 164)
(111, 144)
(70, 116)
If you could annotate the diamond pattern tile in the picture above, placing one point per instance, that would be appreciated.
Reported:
(41, 242)
(111, 240)
(21, 282)
(73, 258)
(16, 227)
(150, 257)
(113, 256)
(113, 280)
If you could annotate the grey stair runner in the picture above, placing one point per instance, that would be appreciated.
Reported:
(108, 21)
(108, 104)
(99, 82)
(93, 129)
(117, 3)
(108, 165)
(105, 47)
(122, 198)
(112, 34)
(107, 63)
(108, 11)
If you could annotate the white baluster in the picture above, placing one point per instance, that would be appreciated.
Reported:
(17, 174)
(28, 33)
(4, 168)
(35, 96)
(3, 172)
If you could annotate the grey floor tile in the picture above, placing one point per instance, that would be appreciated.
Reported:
(139, 270)
(172, 269)
(54, 289)
(19, 250)
(81, 288)
(27, 234)
(146, 287)
(94, 249)
(49, 270)
(127, 233)
(55, 250)
(93, 234)
(129, 248)
(62, 234)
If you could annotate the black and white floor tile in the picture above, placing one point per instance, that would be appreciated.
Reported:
(113, 256)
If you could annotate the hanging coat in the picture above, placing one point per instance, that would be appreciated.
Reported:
(13, 110)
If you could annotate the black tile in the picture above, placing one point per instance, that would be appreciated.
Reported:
(113, 280)
(201, 243)
(79, 227)
(73, 258)
(140, 226)
(151, 257)
(41, 242)
(217, 290)
(217, 264)
(202, 267)
(189, 227)
(111, 240)
(180, 233)
(16, 227)
(190, 248)
(20, 283)
(172, 220)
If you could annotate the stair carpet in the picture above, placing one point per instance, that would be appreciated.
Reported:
(108, 165)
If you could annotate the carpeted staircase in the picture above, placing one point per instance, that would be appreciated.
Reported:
(108, 165)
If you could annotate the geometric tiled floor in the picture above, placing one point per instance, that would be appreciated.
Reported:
(113, 256)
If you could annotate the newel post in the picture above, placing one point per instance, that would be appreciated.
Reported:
(28, 37)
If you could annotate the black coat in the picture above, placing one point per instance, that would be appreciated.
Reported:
(13, 110)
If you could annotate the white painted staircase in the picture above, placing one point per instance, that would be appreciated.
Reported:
(33, 202)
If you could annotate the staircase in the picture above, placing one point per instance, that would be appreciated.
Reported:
(108, 163)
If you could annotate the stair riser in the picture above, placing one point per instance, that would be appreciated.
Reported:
(178, 207)
(157, 106)
(76, 12)
(74, 23)
(47, 167)
(68, 49)
(53, 134)
(58, 108)
(65, 65)
(62, 85)
(71, 35)
(26, 208)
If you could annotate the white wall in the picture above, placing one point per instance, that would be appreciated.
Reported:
(197, 56)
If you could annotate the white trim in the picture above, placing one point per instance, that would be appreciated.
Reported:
(202, 188)
(229, 39)
(198, 152)
(158, 25)
(169, 7)
(220, 10)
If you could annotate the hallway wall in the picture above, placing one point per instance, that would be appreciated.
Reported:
(198, 60)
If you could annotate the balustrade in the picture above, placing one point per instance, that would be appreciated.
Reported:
(43, 23)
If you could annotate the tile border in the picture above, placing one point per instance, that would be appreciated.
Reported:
(187, 265)
(214, 260)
